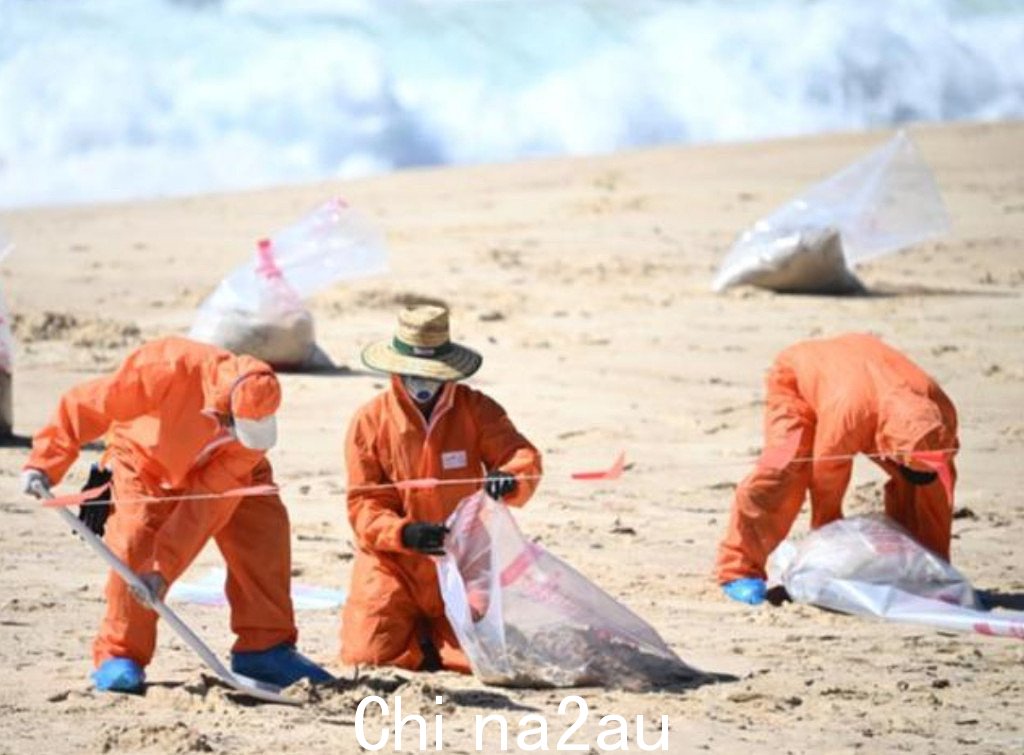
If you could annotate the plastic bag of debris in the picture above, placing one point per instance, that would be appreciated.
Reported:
(525, 618)
(258, 309)
(870, 566)
(880, 204)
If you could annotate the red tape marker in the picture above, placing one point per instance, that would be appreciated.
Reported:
(613, 472)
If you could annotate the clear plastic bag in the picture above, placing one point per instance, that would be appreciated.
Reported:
(884, 202)
(526, 618)
(870, 566)
(258, 309)
(6, 356)
(6, 339)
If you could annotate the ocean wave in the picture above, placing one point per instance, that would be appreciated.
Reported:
(122, 99)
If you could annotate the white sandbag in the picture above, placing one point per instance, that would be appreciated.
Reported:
(255, 312)
(258, 309)
(880, 204)
(526, 618)
(808, 261)
(870, 566)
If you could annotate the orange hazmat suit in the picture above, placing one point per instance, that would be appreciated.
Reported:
(395, 601)
(831, 399)
(160, 412)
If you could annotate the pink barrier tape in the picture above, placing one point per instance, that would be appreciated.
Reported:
(424, 482)
(613, 472)
(79, 499)
(427, 482)
(777, 458)
(869, 454)
(75, 499)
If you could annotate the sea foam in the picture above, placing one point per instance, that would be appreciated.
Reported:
(122, 99)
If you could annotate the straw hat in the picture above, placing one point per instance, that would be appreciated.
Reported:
(422, 347)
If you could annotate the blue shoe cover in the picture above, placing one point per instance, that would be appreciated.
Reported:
(281, 665)
(750, 590)
(119, 675)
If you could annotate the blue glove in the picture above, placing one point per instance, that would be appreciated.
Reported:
(750, 590)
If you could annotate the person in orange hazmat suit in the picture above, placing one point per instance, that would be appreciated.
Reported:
(828, 400)
(183, 418)
(424, 425)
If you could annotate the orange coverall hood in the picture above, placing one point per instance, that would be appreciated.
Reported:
(221, 377)
(908, 422)
(157, 413)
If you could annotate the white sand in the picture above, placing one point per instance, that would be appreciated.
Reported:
(585, 283)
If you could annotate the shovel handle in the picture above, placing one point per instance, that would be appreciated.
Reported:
(252, 687)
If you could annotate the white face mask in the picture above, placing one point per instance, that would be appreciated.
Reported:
(421, 390)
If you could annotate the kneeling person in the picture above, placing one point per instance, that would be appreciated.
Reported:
(425, 425)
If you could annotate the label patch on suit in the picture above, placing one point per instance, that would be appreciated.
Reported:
(453, 460)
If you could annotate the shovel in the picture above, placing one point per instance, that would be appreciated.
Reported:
(253, 688)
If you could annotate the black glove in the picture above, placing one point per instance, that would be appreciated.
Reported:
(499, 484)
(915, 477)
(94, 514)
(424, 537)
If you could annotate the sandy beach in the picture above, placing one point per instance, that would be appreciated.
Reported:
(585, 283)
